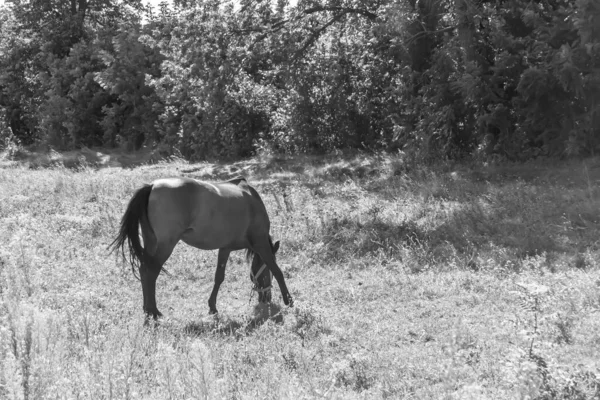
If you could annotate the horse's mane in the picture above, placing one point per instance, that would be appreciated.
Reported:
(250, 253)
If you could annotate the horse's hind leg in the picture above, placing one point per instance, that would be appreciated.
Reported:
(148, 275)
(219, 277)
(263, 248)
(149, 271)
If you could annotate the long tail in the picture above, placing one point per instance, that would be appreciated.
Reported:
(129, 231)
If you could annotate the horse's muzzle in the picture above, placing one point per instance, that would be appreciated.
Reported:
(265, 297)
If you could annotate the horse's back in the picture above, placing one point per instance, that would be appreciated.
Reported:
(187, 187)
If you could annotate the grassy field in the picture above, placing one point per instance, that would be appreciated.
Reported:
(448, 283)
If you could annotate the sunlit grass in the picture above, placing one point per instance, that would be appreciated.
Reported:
(409, 283)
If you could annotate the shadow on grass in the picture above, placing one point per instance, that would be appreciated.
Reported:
(347, 238)
(455, 237)
(236, 327)
(293, 169)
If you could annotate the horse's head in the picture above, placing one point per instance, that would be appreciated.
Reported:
(261, 276)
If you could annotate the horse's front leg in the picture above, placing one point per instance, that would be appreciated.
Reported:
(264, 250)
(148, 275)
(219, 277)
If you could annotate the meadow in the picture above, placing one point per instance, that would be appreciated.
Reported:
(454, 282)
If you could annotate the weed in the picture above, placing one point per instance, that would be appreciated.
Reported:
(546, 376)
(308, 324)
(354, 372)
(290, 360)
(564, 325)
(531, 299)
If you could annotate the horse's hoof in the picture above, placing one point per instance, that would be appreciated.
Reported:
(155, 315)
(264, 297)
(151, 321)
(213, 312)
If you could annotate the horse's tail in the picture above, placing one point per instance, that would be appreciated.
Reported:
(135, 214)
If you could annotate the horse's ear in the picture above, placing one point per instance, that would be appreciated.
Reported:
(276, 247)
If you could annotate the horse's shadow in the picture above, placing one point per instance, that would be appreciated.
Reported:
(240, 326)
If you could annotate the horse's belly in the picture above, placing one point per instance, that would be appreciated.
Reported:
(217, 229)
(214, 239)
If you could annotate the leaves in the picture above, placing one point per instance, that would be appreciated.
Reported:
(206, 78)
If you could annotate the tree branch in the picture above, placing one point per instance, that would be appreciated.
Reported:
(418, 35)
(279, 25)
(344, 10)
(316, 34)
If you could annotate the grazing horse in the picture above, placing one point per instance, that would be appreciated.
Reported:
(227, 216)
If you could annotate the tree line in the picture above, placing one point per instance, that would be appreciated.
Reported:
(514, 79)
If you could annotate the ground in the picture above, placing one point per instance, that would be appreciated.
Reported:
(457, 281)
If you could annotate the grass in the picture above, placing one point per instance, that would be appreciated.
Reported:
(450, 283)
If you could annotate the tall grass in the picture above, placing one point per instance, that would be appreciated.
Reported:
(454, 282)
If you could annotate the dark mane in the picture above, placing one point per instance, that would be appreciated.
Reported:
(237, 180)
(250, 253)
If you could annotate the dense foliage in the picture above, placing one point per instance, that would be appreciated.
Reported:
(435, 78)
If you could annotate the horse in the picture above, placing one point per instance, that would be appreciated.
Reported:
(227, 216)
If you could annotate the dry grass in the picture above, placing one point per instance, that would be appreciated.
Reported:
(454, 282)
